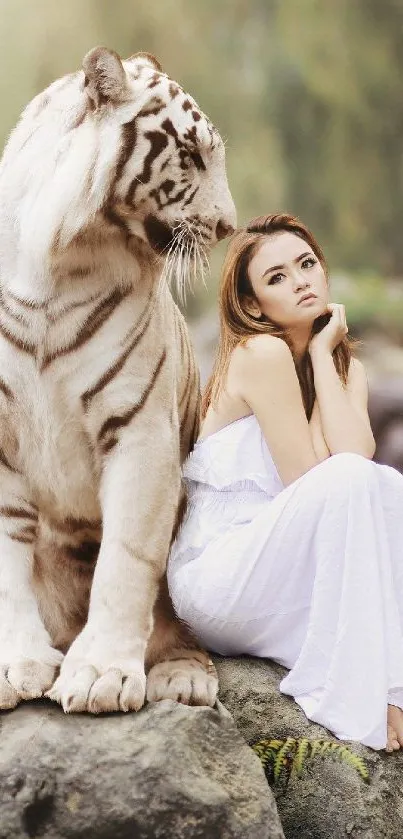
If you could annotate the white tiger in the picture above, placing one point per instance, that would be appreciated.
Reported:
(108, 170)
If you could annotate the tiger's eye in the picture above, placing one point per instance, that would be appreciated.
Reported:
(198, 160)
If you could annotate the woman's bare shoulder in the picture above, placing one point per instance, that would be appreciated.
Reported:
(260, 350)
(258, 365)
(267, 381)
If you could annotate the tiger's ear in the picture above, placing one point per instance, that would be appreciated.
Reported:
(105, 78)
(147, 58)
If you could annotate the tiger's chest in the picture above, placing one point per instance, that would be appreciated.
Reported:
(46, 441)
(64, 380)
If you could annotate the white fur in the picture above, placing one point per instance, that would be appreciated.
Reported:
(54, 180)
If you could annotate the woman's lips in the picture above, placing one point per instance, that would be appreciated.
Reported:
(307, 299)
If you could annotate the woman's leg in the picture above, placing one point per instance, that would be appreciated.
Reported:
(354, 644)
(315, 582)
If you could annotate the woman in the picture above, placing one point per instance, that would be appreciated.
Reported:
(292, 546)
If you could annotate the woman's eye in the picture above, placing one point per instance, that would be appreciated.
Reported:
(308, 262)
(276, 278)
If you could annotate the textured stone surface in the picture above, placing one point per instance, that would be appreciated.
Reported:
(330, 801)
(168, 771)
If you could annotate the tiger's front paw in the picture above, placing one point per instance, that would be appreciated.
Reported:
(184, 680)
(25, 679)
(82, 687)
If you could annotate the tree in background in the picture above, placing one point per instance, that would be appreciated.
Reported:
(307, 95)
(338, 106)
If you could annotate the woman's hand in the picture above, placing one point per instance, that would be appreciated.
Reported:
(330, 336)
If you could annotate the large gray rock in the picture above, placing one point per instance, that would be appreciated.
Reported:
(330, 801)
(167, 772)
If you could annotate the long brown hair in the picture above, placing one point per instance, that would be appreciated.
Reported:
(237, 325)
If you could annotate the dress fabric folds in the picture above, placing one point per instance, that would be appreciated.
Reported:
(310, 575)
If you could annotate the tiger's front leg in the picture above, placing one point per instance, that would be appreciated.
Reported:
(177, 667)
(104, 668)
(28, 662)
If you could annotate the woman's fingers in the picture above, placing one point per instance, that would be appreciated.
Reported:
(338, 311)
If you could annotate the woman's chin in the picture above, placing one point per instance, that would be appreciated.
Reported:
(311, 315)
(317, 309)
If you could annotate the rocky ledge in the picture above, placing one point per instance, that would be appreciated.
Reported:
(165, 773)
(330, 801)
(172, 772)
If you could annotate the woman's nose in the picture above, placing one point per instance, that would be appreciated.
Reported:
(299, 282)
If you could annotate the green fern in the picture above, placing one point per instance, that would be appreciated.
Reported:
(303, 753)
(282, 765)
(282, 759)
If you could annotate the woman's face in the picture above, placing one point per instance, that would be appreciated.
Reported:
(283, 272)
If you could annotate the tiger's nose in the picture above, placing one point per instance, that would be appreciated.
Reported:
(223, 229)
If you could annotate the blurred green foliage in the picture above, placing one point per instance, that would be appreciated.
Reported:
(306, 93)
(372, 304)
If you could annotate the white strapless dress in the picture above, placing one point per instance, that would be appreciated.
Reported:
(310, 575)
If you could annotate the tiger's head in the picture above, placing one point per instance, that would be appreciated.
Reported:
(118, 149)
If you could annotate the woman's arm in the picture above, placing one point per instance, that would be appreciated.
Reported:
(318, 440)
(343, 409)
(267, 381)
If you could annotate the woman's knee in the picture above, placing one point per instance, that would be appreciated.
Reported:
(348, 468)
(351, 463)
(341, 473)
